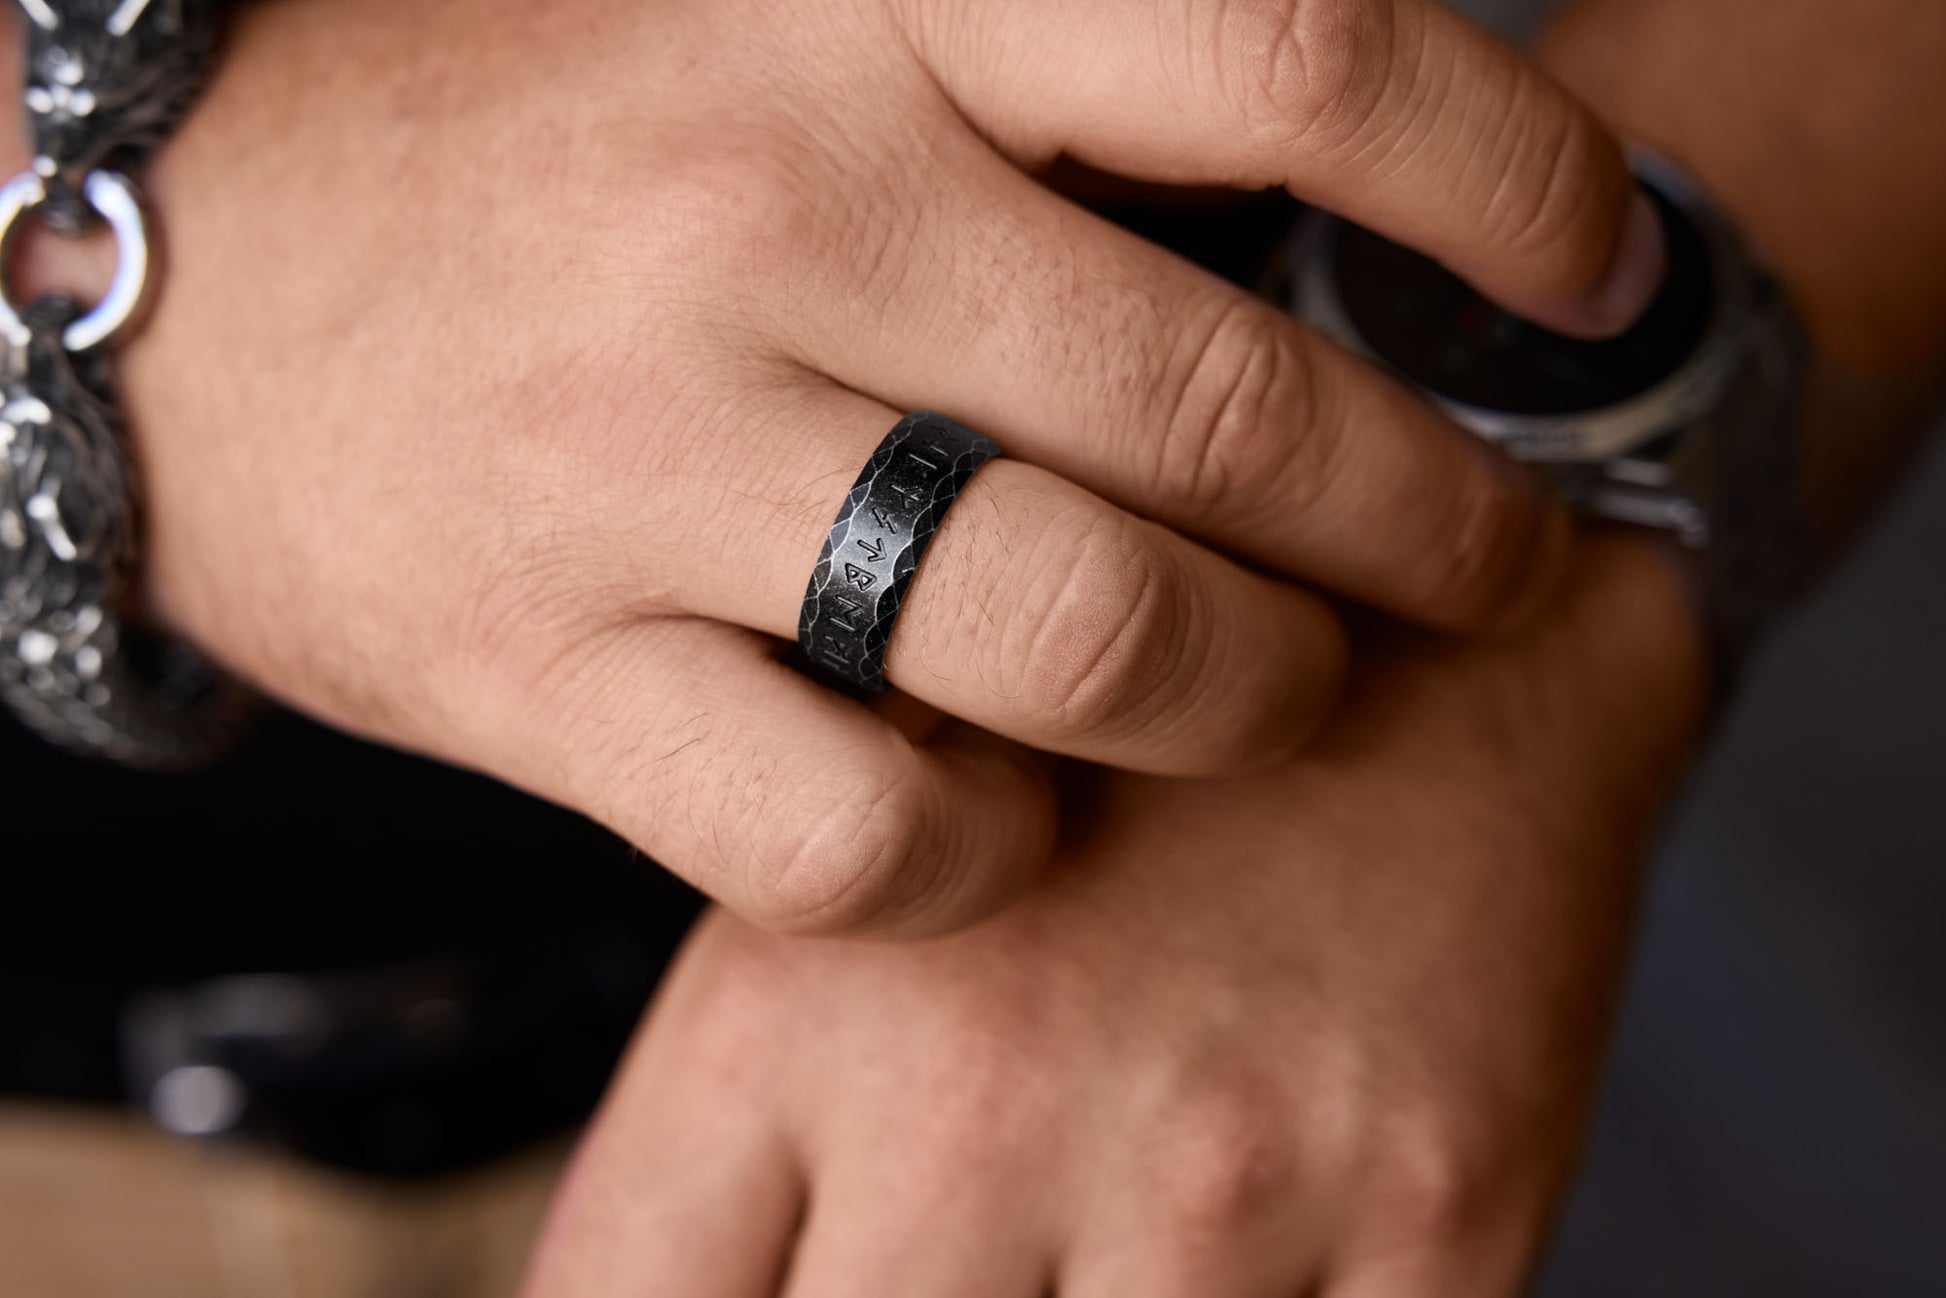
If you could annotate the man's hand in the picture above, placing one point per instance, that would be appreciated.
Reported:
(1329, 1030)
(515, 358)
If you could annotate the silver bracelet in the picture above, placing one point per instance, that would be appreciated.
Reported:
(106, 82)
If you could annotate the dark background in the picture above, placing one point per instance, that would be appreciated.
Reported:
(388, 885)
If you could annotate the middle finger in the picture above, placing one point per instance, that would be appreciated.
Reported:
(1182, 398)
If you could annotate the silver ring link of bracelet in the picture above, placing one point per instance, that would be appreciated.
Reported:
(106, 82)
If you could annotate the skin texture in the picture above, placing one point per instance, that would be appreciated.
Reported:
(1331, 1029)
(515, 358)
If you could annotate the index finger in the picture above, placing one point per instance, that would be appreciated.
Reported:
(1398, 114)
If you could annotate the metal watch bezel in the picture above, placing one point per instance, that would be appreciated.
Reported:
(1692, 392)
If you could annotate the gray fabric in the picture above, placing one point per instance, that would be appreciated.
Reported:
(1774, 1114)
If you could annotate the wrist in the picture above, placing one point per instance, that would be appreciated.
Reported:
(1806, 137)
(1841, 213)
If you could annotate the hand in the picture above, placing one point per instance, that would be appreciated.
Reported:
(1329, 1030)
(514, 359)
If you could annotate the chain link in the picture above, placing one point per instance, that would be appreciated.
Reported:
(107, 81)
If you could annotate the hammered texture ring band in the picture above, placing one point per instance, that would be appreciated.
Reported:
(883, 528)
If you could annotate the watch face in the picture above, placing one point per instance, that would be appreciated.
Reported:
(1430, 326)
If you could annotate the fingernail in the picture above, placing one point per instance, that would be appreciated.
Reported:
(1636, 276)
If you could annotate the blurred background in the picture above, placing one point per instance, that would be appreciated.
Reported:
(321, 1023)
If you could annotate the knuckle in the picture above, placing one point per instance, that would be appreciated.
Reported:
(1228, 1162)
(858, 865)
(1442, 1179)
(1110, 628)
(1245, 418)
(882, 247)
(727, 201)
(983, 1099)
(1312, 71)
(519, 622)
(787, 209)
(524, 599)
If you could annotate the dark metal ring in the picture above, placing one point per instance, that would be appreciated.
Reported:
(883, 528)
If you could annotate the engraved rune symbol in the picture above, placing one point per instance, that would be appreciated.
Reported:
(930, 464)
(883, 519)
(858, 577)
(905, 489)
(851, 608)
(875, 549)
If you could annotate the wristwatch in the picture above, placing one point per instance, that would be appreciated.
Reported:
(1687, 424)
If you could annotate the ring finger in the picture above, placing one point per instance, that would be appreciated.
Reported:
(1040, 611)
